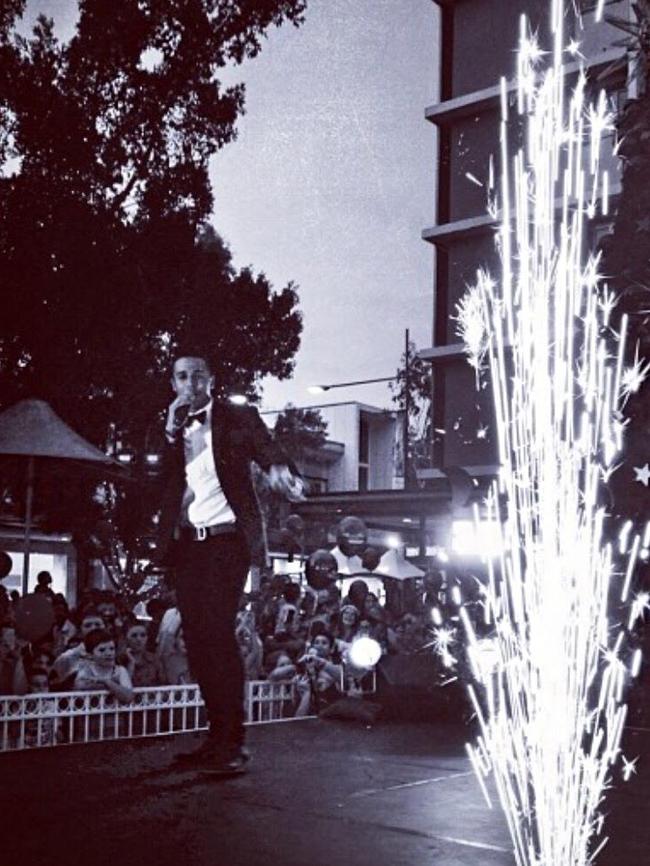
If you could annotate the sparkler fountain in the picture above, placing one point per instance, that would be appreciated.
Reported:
(550, 696)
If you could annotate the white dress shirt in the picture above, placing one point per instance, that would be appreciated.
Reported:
(204, 502)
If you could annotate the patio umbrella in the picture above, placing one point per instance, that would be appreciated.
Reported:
(32, 430)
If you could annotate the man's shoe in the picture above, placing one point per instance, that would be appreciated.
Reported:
(206, 752)
(232, 765)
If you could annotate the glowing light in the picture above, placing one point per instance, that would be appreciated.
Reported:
(394, 542)
(364, 652)
(472, 538)
(238, 399)
(550, 683)
(436, 616)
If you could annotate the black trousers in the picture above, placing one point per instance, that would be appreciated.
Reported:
(210, 578)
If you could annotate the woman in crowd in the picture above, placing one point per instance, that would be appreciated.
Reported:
(346, 627)
(143, 666)
(251, 650)
(175, 664)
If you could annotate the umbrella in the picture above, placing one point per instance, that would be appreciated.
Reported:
(394, 564)
(31, 429)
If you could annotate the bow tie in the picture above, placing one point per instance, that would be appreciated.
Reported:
(198, 416)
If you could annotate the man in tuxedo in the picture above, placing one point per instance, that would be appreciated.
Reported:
(211, 532)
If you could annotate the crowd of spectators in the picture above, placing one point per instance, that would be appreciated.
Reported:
(288, 632)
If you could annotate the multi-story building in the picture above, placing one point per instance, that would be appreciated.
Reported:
(362, 451)
(478, 40)
(359, 471)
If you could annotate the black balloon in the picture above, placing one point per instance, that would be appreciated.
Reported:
(370, 558)
(321, 569)
(5, 564)
(295, 525)
(351, 536)
(34, 617)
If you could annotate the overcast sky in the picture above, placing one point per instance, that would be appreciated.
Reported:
(331, 181)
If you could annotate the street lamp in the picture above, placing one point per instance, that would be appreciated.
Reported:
(320, 389)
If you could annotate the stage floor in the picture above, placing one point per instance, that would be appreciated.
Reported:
(318, 794)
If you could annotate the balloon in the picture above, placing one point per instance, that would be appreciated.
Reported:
(295, 525)
(5, 564)
(321, 569)
(370, 558)
(351, 536)
(289, 544)
(34, 617)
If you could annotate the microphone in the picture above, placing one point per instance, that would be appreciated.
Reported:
(180, 415)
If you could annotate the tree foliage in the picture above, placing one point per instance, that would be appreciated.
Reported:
(107, 264)
(300, 432)
(413, 385)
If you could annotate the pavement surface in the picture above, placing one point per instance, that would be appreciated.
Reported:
(318, 794)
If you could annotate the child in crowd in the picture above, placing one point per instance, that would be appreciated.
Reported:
(40, 731)
(98, 670)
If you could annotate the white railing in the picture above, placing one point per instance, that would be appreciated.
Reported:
(64, 718)
(61, 718)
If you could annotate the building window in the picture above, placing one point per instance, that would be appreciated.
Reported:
(316, 485)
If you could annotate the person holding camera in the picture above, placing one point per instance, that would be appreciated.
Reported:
(319, 677)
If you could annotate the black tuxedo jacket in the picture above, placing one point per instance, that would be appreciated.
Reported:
(239, 437)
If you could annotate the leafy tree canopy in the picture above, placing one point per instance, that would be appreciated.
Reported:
(107, 263)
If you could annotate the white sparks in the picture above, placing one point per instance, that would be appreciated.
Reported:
(573, 48)
(552, 678)
(642, 474)
(472, 326)
(473, 179)
(629, 768)
(443, 638)
(634, 376)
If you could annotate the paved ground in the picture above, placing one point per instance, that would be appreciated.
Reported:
(318, 794)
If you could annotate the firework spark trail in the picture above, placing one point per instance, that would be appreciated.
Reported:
(552, 693)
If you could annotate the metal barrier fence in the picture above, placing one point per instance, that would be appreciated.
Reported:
(63, 718)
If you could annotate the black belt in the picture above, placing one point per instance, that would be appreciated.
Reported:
(201, 533)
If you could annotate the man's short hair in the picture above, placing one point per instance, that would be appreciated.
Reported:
(191, 353)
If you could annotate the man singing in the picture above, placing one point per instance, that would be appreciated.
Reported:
(211, 532)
